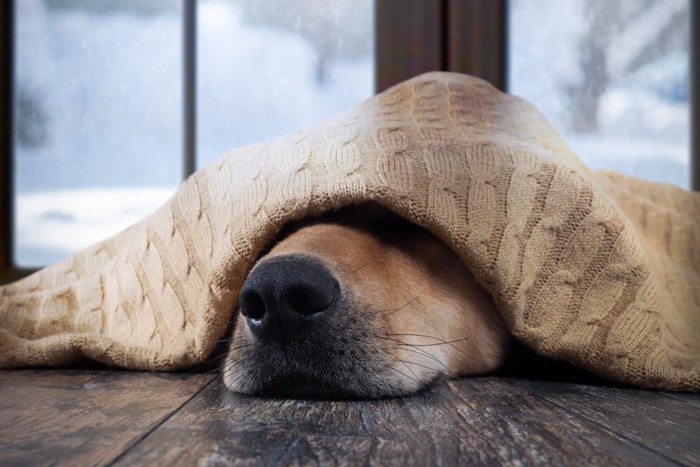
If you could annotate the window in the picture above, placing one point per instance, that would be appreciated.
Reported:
(97, 120)
(98, 141)
(612, 76)
(266, 68)
(528, 47)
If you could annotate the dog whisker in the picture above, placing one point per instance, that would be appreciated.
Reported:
(431, 371)
(357, 269)
(231, 370)
(240, 347)
(403, 374)
(409, 347)
(441, 341)
(425, 336)
(413, 300)
(402, 361)
(412, 348)
(339, 266)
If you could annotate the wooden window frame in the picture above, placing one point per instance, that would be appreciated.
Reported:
(8, 270)
(465, 36)
(411, 36)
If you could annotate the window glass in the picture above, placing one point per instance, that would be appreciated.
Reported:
(97, 120)
(98, 92)
(270, 67)
(612, 76)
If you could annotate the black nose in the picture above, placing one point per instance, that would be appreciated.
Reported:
(286, 296)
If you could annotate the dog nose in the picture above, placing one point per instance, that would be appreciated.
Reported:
(285, 296)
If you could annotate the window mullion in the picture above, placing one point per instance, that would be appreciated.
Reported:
(409, 37)
(6, 125)
(695, 95)
(476, 39)
(189, 48)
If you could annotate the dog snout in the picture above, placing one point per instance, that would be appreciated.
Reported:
(286, 296)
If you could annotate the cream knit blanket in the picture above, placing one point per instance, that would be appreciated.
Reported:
(595, 268)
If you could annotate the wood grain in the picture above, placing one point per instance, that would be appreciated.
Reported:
(71, 417)
(89, 417)
(485, 420)
(657, 420)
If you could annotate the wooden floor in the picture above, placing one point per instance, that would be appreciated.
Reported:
(94, 417)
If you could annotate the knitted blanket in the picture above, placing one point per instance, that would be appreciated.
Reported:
(595, 268)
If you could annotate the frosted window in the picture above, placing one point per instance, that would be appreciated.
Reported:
(98, 100)
(97, 120)
(270, 67)
(613, 78)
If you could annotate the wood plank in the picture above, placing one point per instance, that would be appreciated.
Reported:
(529, 430)
(686, 398)
(482, 420)
(669, 424)
(84, 417)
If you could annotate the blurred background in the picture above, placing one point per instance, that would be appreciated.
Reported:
(613, 76)
(98, 93)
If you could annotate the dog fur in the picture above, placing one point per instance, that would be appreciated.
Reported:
(408, 314)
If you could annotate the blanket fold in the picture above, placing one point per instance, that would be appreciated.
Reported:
(595, 268)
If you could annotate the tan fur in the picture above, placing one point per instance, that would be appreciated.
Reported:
(436, 320)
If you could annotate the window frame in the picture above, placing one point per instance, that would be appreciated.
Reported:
(440, 35)
(8, 270)
(466, 36)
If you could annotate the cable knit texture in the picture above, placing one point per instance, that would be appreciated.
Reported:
(596, 268)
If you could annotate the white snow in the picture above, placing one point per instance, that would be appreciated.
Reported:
(63, 221)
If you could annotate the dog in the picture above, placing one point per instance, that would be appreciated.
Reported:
(360, 304)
